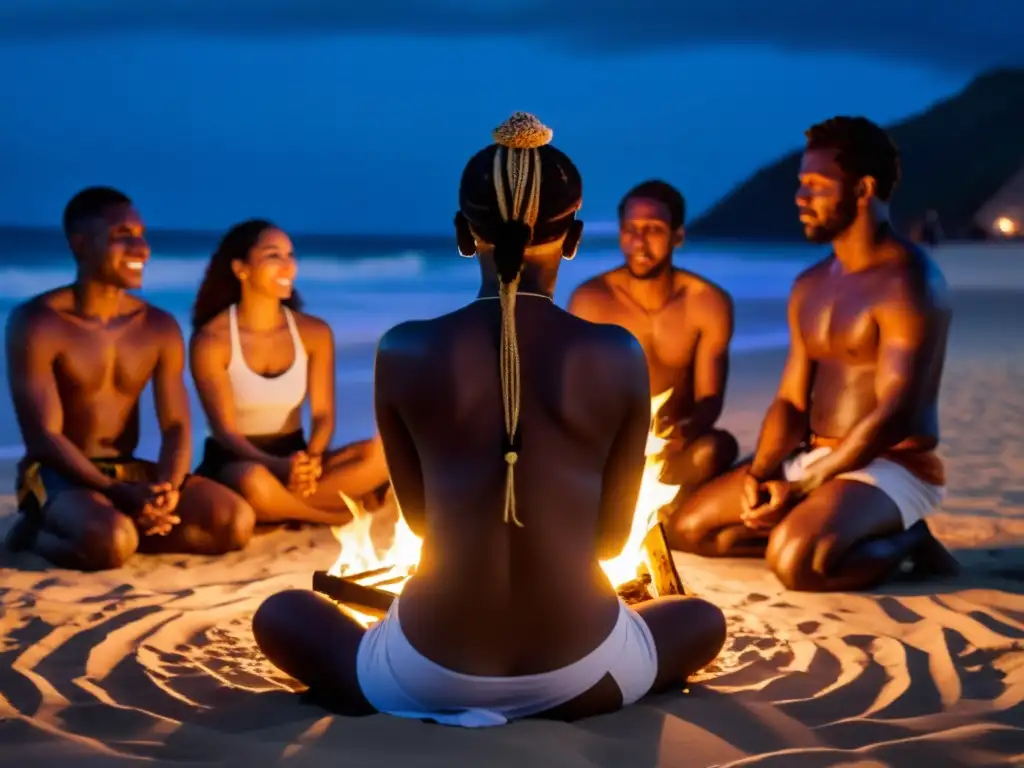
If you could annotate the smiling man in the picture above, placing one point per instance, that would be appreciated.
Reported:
(78, 359)
(684, 323)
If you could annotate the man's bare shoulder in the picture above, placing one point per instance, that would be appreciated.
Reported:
(601, 284)
(597, 291)
(160, 323)
(810, 278)
(816, 271)
(41, 313)
(704, 294)
(920, 279)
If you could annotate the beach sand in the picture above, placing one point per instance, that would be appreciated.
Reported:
(155, 662)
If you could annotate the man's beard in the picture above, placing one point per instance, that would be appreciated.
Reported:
(656, 270)
(841, 219)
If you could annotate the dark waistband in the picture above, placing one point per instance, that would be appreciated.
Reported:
(115, 467)
(276, 445)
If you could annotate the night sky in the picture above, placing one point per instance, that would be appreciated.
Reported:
(360, 119)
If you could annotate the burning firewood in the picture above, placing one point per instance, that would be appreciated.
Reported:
(659, 563)
(636, 590)
(642, 571)
(367, 600)
(657, 577)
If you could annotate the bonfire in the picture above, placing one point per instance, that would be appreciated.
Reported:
(364, 580)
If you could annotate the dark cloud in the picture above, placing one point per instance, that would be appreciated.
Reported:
(950, 34)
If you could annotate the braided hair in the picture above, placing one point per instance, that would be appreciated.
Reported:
(516, 193)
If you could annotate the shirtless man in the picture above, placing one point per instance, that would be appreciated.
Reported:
(515, 437)
(78, 358)
(684, 324)
(845, 468)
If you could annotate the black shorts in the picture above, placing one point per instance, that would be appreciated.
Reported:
(216, 456)
(38, 485)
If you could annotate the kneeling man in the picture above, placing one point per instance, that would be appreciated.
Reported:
(845, 469)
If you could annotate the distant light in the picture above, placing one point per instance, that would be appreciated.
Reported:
(1007, 226)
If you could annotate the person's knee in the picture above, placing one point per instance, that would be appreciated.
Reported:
(713, 453)
(108, 541)
(255, 483)
(790, 555)
(689, 632)
(276, 616)
(727, 448)
(232, 521)
(267, 616)
(708, 621)
(684, 530)
(689, 527)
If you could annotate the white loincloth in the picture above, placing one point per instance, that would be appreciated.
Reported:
(914, 498)
(395, 678)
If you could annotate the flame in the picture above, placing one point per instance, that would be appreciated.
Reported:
(654, 495)
(397, 563)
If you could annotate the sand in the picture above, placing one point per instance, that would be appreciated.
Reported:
(155, 662)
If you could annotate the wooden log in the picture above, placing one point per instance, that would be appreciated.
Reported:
(389, 582)
(660, 578)
(365, 574)
(636, 590)
(375, 602)
(658, 559)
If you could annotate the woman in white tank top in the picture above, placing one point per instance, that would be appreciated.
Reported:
(256, 360)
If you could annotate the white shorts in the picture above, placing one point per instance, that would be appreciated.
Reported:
(914, 498)
(398, 680)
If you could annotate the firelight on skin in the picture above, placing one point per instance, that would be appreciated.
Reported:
(469, 626)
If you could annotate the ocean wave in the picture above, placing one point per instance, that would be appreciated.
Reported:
(744, 274)
(173, 274)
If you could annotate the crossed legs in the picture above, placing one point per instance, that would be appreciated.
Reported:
(308, 637)
(357, 470)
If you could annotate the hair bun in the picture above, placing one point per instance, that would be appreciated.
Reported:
(522, 131)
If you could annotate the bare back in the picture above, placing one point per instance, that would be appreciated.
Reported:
(694, 321)
(96, 371)
(490, 598)
(868, 330)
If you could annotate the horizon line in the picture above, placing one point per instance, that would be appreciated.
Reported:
(591, 227)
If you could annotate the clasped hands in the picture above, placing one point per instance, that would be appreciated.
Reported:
(151, 505)
(300, 472)
(767, 502)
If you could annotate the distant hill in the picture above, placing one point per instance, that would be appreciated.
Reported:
(956, 155)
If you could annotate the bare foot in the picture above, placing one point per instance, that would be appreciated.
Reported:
(931, 558)
(22, 534)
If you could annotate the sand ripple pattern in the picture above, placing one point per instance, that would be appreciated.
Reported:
(156, 662)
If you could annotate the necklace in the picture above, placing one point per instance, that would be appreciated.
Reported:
(518, 294)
